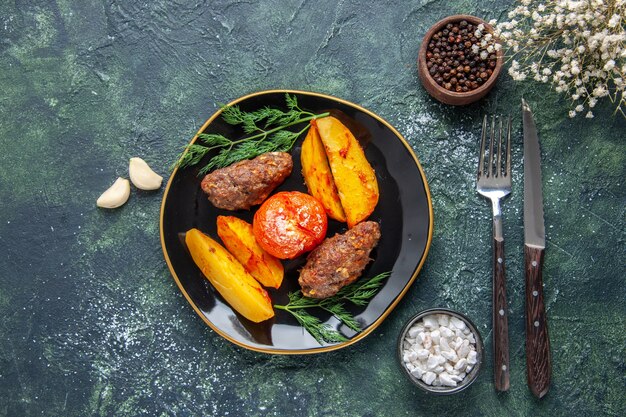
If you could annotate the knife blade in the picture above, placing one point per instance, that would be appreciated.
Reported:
(538, 361)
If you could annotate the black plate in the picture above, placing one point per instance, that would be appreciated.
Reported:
(404, 212)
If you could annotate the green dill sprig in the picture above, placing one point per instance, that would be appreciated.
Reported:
(266, 130)
(358, 293)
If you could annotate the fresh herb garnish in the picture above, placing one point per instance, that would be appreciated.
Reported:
(358, 293)
(266, 132)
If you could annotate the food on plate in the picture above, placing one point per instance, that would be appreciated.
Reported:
(142, 176)
(317, 174)
(354, 176)
(265, 128)
(247, 183)
(229, 277)
(289, 224)
(339, 260)
(116, 195)
(237, 236)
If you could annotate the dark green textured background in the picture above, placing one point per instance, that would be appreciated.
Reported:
(92, 322)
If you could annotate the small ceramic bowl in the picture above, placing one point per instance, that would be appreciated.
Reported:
(437, 91)
(441, 390)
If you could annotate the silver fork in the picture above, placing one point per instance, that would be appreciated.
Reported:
(494, 182)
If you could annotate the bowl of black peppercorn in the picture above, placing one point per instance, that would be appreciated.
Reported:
(459, 60)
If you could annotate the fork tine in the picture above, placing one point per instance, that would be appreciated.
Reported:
(483, 138)
(508, 149)
(491, 139)
(499, 160)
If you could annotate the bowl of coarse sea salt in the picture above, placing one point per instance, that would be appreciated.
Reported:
(440, 351)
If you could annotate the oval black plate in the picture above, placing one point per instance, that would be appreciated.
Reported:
(404, 212)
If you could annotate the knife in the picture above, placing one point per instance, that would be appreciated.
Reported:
(538, 364)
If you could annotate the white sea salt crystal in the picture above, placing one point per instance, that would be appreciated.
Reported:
(428, 377)
(461, 364)
(445, 332)
(421, 336)
(430, 322)
(412, 356)
(449, 368)
(446, 380)
(428, 342)
(457, 378)
(414, 331)
(458, 323)
(438, 369)
(463, 351)
(449, 355)
(443, 319)
(472, 357)
(433, 362)
(444, 345)
(417, 372)
(434, 335)
(422, 354)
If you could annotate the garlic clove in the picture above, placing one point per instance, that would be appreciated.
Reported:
(116, 195)
(142, 176)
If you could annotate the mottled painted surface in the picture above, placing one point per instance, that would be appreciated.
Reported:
(93, 324)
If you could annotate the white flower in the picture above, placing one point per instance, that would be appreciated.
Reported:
(484, 55)
(599, 91)
(578, 46)
(609, 65)
(589, 115)
(572, 113)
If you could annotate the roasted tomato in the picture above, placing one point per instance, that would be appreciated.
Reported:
(289, 224)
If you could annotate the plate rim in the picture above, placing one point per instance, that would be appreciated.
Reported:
(359, 336)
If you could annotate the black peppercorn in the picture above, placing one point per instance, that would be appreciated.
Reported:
(451, 61)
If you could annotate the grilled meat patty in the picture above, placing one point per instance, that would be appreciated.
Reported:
(247, 183)
(339, 260)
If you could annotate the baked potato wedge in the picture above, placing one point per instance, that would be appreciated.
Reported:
(229, 277)
(318, 176)
(237, 236)
(354, 176)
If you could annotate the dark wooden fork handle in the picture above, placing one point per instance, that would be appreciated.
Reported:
(538, 363)
(501, 368)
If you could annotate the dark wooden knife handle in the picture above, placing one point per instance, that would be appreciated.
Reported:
(501, 366)
(538, 363)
